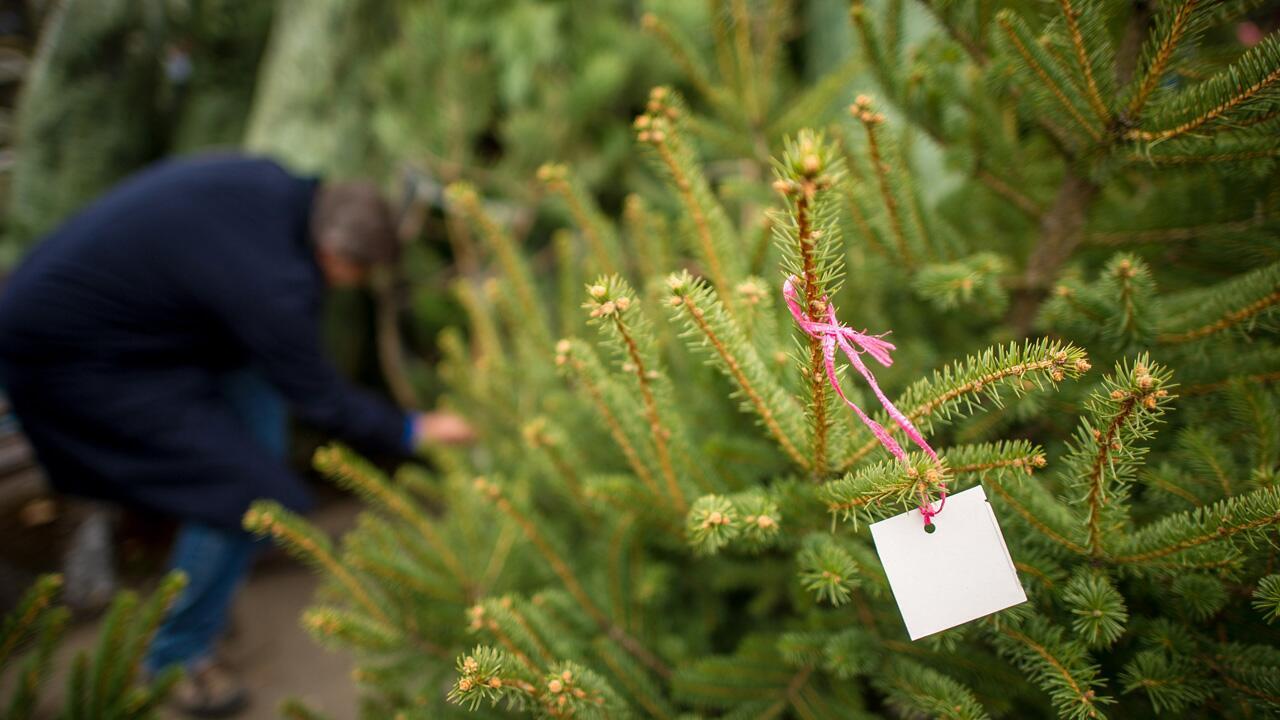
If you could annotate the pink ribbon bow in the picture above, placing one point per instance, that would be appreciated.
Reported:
(853, 343)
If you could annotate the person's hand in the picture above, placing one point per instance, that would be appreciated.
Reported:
(441, 428)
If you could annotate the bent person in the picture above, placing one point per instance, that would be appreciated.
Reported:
(153, 345)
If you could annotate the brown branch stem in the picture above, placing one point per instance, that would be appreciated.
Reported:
(1060, 232)
(1231, 319)
(1094, 501)
(813, 305)
(656, 428)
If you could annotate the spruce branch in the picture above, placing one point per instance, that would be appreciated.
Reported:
(1099, 609)
(1260, 366)
(714, 521)
(1047, 74)
(1251, 671)
(920, 690)
(541, 434)
(957, 389)
(849, 653)
(776, 25)
(973, 281)
(269, 518)
(1003, 456)
(1220, 100)
(1042, 514)
(735, 357)
(1201, 596)
(503, 618)
(1072, 17)
(614, 308)
(684, 54)
(343, 627)
(1106, 450)
(809, 168)
(620, 569)
(599, 232)
(1170, 30)
(378, 551)
(31, 673)
(1203, 313)
(484, 677)
(554, 559)
(123, 671)
(1244, 515)
(882, 487)
(885, 487)
(111, 640)
(1058, 666)
(1202, 454)
(1220, 150)
(570, 277)
(1163, 235)
(1172, 683)
(712, 524)
(660, 127)
(942, 12)
(882, 63)
(1029, 206)
(754, 676)
(761, 519)
(1266, 598)
(358, 475)
(827, 569)
(466, 201)
(576, 358)
(486, 344)
(744, 56)
(909, 238)
(22, 620)
(633, 681)
(646, 234)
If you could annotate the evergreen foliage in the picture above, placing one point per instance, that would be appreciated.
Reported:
(666, 513)
(105, 682)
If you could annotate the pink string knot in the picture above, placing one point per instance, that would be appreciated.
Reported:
(852, 343)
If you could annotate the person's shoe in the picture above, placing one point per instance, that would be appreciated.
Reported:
(209, 690)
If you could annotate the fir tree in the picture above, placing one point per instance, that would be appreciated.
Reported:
(666, 516)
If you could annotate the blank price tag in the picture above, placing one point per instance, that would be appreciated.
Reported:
(960, 572)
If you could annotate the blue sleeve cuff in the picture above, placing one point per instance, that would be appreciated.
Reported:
(407, 434)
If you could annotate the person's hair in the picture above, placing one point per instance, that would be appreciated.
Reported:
(351, 219)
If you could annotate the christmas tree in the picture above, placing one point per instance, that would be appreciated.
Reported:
(667, 515)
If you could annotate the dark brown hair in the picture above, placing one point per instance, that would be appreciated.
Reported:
(351, 219)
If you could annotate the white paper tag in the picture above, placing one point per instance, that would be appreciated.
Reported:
(960, 572)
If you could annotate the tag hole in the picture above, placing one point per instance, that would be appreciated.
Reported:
(930, 528)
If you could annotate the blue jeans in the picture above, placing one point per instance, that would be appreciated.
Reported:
(216, 560)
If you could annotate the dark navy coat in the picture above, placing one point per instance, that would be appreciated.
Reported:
(115, 330)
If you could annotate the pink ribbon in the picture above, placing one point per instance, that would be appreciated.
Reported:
(852, 343)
